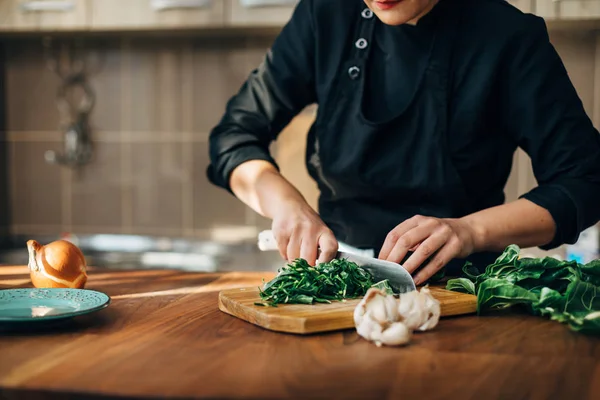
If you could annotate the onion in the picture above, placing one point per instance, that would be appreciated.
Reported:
(59, 264)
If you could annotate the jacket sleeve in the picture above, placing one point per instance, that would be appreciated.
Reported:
(546, 117)
(273, 94)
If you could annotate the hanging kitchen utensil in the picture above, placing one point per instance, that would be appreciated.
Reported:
(71, 65)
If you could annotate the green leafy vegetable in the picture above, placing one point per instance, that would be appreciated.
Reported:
(564, 291)
(500, 293)
(463, 285)
(384, 286)
(300, 283)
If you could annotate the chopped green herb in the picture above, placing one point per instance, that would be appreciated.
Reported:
(300, 283)
(564, 291)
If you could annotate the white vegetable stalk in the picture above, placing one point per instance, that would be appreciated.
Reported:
(385, 320)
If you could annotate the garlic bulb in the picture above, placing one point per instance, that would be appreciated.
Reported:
(382, 308)
(376, 319)
(385, 320)
(419, 310)
(396, 334)
(59, 264)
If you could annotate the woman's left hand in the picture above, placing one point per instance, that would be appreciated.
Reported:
(440, 239)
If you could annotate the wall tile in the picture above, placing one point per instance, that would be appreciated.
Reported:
(214, 83)
(36, 187)
(158, 179)
(577, 51)
(97, 190)
(31, 89)
(257, 220)
(143, 94)
(220, 68)
(177, 88)
(256, 50)
(105, 79)
(156, 85)
(213, 206)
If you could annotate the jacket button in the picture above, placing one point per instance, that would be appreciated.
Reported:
(354, 72)
(361, 43)
(367, 13)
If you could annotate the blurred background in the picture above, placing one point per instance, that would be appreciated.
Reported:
(106, 107)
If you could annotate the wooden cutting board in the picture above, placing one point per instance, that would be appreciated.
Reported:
(306, 319)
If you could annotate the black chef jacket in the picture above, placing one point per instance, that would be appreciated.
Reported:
(435, 138)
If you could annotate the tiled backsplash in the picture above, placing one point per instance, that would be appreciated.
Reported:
(157, 100)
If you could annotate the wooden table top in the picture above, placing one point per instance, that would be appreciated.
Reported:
(163, 336)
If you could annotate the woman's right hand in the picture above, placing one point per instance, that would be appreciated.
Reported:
(297, 228)
(300, 233)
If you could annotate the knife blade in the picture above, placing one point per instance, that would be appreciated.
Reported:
(399, 279)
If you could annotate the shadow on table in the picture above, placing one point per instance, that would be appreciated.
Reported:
(79, 324)
(19, 394)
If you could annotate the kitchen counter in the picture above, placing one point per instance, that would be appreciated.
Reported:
(163, 336)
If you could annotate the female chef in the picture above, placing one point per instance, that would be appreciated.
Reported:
(421, 106)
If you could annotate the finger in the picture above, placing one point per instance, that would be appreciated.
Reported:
(394, 235)
(409, 240)
(329, 247)
(425, 250)
(308, 248)
(282, 243)
(439, 261)
(293, 247)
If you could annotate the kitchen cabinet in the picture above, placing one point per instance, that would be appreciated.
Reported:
(267, 13)
(527, 6)
(156, 14)
(43, 15)
(568, 9)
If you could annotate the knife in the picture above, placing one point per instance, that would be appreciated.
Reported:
(399, 279)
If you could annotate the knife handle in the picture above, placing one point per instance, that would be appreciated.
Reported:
(266, 241)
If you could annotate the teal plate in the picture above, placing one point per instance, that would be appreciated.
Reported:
(31, 305)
